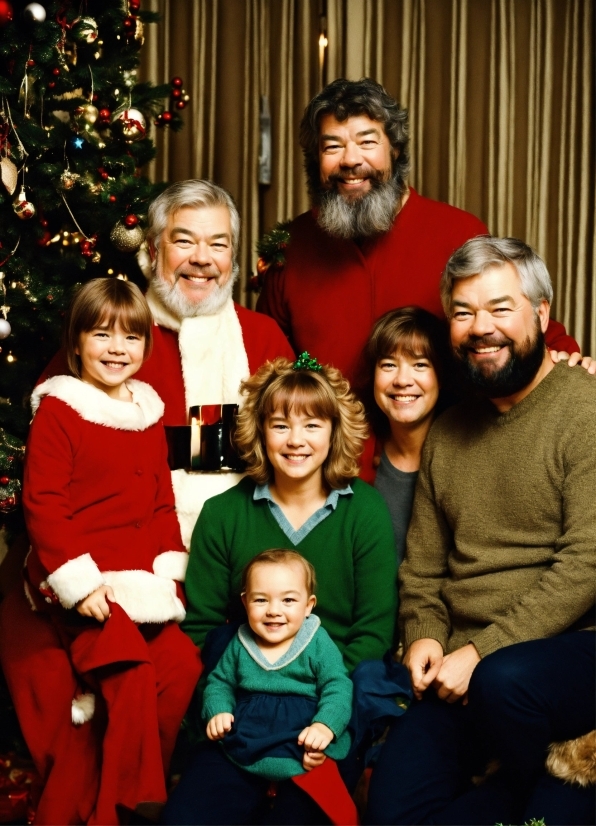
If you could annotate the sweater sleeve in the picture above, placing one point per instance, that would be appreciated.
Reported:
(51, 447)
(558, 339)
(423, 614)
(220, 692)
(334, 687)
(567, 589)
(374, 616)
(207, 584)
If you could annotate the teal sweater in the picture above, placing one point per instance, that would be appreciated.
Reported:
(352, 550)
(312, 667)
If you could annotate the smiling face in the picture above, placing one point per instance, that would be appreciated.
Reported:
(496, 333)
(297, 444)
(406, 387)
(353, 154)
(277, 602)
(109, 356)
(194, 259)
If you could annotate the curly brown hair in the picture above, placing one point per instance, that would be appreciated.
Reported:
(325, 395)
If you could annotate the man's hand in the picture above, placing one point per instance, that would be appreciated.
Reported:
(218, 726)
(453, 679)
(423, 660)
(315, 737)
(587, 362)
(312, 759)
(96, 604)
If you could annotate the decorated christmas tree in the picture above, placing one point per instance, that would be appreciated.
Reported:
(74, 137)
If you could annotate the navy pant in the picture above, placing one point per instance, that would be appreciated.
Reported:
(214, 791)
(521, 698)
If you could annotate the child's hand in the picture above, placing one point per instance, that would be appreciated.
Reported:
(96, 604)
(315, 737)
(219, 725)
(312, 759)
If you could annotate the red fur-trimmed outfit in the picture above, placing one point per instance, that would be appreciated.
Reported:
(331, 291)
(100, 510)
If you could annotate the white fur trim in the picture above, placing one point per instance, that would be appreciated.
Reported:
(93, 405)
(192, 491)
(171, 565)
(82, 708)
(161, 314)
(145, 597)
(75, 580)
(214, 360)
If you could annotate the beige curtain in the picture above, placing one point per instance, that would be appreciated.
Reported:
(500, 95)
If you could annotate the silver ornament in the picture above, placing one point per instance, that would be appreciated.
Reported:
(4, 328)
(130, 125)
(126, 240)
(85, 30)
(34, 13)
(23, 208)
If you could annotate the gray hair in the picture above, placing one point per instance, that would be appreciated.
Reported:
(484, 251)
(193, 193)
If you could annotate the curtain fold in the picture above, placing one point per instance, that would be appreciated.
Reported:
(500, 95)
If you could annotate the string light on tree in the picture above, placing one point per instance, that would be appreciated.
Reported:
(34, 13)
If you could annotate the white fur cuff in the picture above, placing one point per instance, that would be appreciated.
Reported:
(146, 597)
(171, 565)
(75, 580)
(82, 708)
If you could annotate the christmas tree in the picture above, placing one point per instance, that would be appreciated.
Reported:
(73, 139)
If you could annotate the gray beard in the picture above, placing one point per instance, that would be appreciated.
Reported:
(181, 307)
(367, 216)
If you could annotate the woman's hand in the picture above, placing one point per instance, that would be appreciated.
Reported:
(96, 604)
(218, 726)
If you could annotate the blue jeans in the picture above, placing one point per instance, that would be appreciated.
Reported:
(521, 698)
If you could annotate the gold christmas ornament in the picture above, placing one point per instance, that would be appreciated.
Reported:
(68, 179)
(9, 173)
(129, 125)
(126, 240)
(86, 115)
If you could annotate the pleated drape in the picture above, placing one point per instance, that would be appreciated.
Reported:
(500, 95)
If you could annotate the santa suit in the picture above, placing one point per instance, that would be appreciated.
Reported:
(99, 510)
(331, 291)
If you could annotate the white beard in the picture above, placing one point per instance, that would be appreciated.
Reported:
(181, 307)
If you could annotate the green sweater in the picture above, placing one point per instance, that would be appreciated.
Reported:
(502, 542)
(352, 550)
(312, 667)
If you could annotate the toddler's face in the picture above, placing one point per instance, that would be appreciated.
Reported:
(276, 601)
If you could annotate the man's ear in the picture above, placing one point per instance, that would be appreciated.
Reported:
(543, 314)
(312, 601)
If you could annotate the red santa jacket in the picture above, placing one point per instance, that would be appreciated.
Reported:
(331, 291)
(98, 500)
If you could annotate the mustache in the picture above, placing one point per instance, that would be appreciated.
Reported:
(484, 341)
(361, 171)
(208, 271)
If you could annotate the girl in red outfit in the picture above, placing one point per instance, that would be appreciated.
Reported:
(106, 557)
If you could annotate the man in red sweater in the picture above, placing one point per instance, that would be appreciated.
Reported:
(370, 243)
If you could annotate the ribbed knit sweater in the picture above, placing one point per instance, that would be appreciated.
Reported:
(352, 550)
(502, 544)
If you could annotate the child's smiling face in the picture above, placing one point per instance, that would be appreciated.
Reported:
(277, 602)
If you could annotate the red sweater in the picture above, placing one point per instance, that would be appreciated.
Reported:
(331, 291)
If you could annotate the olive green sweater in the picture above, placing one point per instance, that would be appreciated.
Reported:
(502, 543)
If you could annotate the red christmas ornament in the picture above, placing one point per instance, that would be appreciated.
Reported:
(86, 248)
(4, 480)
(134, 6)
(129, 24)
(6, 12)
(181, 104)
(51, 85)
(131, 221)
(112, 199)
(45, 239)
(103, 174)
(55, 71)
(43, 222)
(30, 63)
(166, 116)
(177, 82)
(105, 114)
(176, 93)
